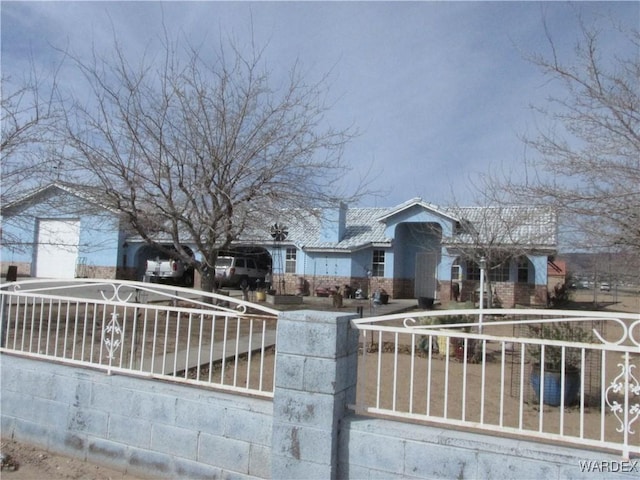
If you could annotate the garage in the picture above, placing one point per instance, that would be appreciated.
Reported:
(57, 248)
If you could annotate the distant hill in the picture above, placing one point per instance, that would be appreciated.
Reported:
(607, 266)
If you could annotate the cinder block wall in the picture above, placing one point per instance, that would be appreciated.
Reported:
(377, 448)
(161, 429)
(144, 427)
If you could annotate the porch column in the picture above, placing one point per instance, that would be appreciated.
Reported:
(316, 365)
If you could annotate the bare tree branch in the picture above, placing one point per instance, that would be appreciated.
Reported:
(589, 157)
(199, 151)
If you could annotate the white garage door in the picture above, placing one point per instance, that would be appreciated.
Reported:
(57, 248)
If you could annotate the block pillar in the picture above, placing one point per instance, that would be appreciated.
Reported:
(316, 363)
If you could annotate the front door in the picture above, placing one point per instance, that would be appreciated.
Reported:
(426, 275)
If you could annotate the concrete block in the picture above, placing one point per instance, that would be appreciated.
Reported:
(174, 441)
(42, 411)
(330, 376)
(305, 444)
(88, 422)
(249, 427)
(201, 416)
(225, 453)
(316, 334)
(320, 376)
(29, 432)
(376, 451)
(194, 470)
(290, 371)
(307, 338)
(305, 409)
(7, 425)
(144, 461)
(435, 461)
(106, 452)
(495, 465)
(105, 396)
(153, 407)
(68, 443)
(128, 430)
(285, 467)
(260, 461)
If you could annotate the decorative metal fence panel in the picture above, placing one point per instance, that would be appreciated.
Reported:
(568, 376)
(145, 329)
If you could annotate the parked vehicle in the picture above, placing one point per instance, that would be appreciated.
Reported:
(169, 270)
(238, 271)
(605, 287)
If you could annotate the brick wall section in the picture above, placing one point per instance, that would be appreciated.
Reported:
(292, 284)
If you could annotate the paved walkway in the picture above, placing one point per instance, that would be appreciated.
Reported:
(183, 359)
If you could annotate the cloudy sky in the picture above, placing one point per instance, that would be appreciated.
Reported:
(439, 91)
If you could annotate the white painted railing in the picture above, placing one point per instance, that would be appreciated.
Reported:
(144, 329)
(416, 368)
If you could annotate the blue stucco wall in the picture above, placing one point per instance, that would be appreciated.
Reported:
(100, 236)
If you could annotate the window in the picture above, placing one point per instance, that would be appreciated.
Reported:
(456, 271)
(377, 266)
(290, 261)
(498, 272)
(523, 270)
(473, 270)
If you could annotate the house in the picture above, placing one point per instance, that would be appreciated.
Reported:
(413, 250)
(61, 232)
(556, 273)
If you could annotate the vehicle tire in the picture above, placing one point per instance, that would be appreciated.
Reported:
(244, 283)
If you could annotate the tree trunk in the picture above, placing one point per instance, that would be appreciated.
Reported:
(208, 279)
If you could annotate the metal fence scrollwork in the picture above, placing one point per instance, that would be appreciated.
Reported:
(627, 385)
(144, 329)
(112, 336)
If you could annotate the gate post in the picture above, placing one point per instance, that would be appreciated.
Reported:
(316, 373)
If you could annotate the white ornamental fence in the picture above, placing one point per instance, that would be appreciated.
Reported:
(143, 329)
(560, 376)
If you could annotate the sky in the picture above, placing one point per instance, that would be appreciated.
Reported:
(439, 92)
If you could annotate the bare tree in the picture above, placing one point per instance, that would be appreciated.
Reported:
(202, 151)
(28, 113)
(589, 158)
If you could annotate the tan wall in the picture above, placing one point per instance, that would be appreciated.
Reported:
(24, 268)
(82, 271)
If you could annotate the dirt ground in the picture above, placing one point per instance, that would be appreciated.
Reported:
(25, 462)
